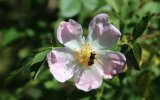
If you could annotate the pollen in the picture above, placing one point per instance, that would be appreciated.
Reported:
(84, 55)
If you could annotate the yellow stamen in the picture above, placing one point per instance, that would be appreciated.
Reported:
(83, 56)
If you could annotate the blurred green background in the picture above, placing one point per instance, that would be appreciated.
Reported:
(28, 31)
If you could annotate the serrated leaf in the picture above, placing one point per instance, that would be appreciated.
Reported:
(69, 8)
(132, 62)
(137, 51)
(40, 56)
(141, 26)
(37, 58)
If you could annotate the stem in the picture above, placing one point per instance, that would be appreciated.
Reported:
(100, 94)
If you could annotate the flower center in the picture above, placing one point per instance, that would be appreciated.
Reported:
(86, 56)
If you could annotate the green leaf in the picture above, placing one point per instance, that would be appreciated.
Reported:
(113, 4)
(30, 32)
(132, 60)
(69, 8)
(137, 51)
(152, 7)
(115, 80)
(105, 8)
(10, 36)
(41, 24)
(39, 70)
(90, 4)
(40, 56)
(141, 26)
(52, 84)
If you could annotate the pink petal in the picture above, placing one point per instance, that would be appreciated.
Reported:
(102, 33)
(57, 61)
(70, 33)
(112, 63)
(89, 79)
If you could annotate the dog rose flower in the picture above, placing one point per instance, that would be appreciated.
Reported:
(86, 60)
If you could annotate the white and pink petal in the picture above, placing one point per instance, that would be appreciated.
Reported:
(70, 34)
(102, 33)
(90, 78)
(112, 63)
(58, 64)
